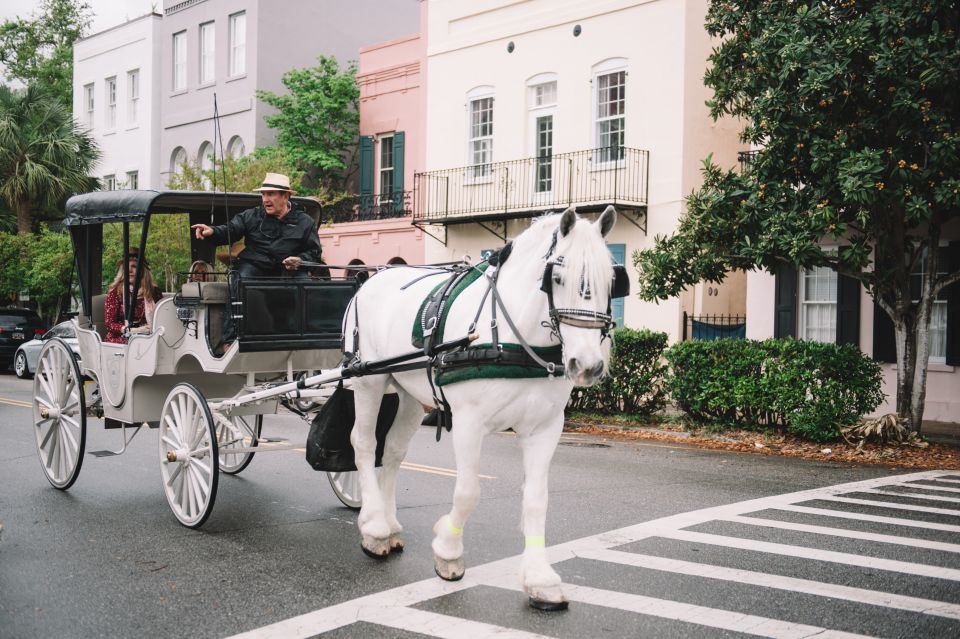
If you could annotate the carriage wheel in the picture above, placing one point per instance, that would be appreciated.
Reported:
(188, 455)
(59, 414)
(346, 486)
(240, 435)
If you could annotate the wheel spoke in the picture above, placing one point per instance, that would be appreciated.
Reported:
(68, 435)
(45, 383)
(174, 474)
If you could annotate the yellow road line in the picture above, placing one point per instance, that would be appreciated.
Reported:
(433, 470)
(15, 402)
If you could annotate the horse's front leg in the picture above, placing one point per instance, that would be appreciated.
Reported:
(372, 521)
(448, 531)
(540, 581)
(409, 416)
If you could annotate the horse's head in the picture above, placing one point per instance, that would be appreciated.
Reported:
(578, 280)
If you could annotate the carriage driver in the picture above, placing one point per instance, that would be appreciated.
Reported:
(279, 236)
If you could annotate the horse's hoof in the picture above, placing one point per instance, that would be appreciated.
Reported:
(396, 544)
(549, 606)
(449, 570)
(375, 548)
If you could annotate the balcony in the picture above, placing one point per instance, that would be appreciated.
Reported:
(746, 158)
(500, 191)
(364, 208)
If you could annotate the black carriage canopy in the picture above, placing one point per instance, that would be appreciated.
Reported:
(86, 214)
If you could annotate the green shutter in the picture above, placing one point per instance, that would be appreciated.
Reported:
(398, 144)
(952, 293)
(848, 310)
(785, 302)
(366, 171)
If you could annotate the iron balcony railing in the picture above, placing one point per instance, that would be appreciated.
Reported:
(746, 158)
(362, 208)
(522, 188)
(707, 327)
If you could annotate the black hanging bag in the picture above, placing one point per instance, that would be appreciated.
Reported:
(328, 444)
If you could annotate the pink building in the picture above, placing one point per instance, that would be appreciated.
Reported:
(375, 227)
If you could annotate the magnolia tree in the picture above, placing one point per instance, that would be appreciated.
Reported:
(854, 110)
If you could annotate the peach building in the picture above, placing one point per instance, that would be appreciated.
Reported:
(376, 226)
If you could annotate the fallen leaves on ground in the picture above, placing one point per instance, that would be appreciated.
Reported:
(935, 456)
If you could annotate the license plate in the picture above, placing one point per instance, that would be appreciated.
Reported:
(18, 336)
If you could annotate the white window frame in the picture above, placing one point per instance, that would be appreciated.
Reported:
(938, 314)
(208, 53)
(89, 101)
(386, 146)
(110, 182)
(542, 91)
(133, 180)
(179, 78)
(238, 44)
(204, 163)
(480, 141)
(110, 95)
(603, 70)
(177, 159)
(133, 95)
(817, 333)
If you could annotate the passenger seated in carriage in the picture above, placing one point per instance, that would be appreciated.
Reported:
(279, 236)
(146, 300)
(201, 271)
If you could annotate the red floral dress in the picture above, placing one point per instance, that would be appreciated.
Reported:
(113, 316)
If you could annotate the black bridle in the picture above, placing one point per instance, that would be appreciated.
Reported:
(578, 317)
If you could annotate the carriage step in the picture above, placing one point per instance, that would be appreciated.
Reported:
(102, 453)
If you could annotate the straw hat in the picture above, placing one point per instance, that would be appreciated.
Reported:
(276, 182)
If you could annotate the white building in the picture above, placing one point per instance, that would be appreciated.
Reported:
(533, 105)
(116, 89)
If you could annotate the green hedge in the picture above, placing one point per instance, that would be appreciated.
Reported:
(807, 388)
(635, 383)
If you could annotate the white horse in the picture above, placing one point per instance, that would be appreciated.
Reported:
(384, 312)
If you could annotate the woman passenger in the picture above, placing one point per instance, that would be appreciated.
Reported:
(146, 301)
(201, 271)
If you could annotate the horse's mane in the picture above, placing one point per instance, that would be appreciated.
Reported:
(583, 251)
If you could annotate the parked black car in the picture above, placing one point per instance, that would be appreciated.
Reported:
(17, 325)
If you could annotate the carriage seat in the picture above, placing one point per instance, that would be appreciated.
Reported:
(207, 292)
(96, 316)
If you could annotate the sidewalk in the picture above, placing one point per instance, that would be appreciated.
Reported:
(942, 432)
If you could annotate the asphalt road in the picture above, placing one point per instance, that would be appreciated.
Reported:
(653, 540)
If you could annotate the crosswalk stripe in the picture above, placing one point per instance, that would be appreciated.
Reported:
(780, 582)
(947, 480)
(439, 625)
(890, 504)
(699, 615)
(801, 552)
(880, 519)
(877, 491)
(944, 489)
(844, 532)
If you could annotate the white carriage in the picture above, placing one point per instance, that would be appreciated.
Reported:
(173, 379)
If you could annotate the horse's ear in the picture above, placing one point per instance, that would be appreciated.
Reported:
(567, 220)
(607, 220)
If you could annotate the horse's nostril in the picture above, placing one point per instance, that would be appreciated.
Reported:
(595, 370)
(573, 365)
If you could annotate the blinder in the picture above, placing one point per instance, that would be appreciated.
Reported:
(619, 288)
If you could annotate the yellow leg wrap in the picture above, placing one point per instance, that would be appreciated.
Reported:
(536, 541)
(453, 529)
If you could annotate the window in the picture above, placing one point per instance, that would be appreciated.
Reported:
(238, 44)
(386, 168)
(205, 162)
(109, 182)
(818, 305)
(133, 180)
(542, 101)
(111, 95)
(177, 159)
(88, 103)
(481, 138)
(611, 107)
(133, 95)
(180, 61)
(938, 314)
(206, 53)
(236, 148)
(619, 253)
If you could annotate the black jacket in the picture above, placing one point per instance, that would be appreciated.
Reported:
(269, 242)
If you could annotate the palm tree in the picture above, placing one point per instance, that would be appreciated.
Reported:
(44, 154)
